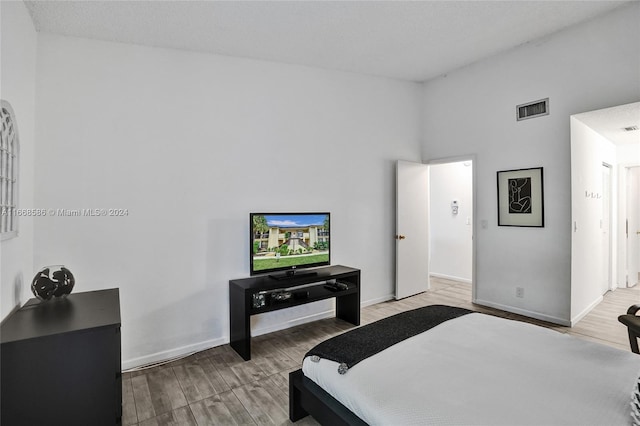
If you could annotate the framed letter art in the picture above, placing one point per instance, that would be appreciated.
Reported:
(520, 198)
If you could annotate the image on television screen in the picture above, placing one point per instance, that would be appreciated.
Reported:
(284, 241)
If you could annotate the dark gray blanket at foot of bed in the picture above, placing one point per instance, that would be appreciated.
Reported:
(350, 348)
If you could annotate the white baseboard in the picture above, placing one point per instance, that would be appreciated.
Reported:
(450, 277)
(377, 300)
(293, 323)
(313, 317)
(525, 312)
(588, 309)
(174, 353)
(170, 354)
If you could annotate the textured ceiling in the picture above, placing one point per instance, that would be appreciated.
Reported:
(610, 123)
(410, 40)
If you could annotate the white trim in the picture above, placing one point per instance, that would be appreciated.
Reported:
(172, 353)
(314, 317)
(588, 309)
(377, 300)
(450, 277)
(622, 278)
(292, 323)
(527, 313)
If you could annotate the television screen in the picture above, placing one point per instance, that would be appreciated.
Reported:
(288, 241)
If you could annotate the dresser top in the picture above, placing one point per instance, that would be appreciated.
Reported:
(76, 312)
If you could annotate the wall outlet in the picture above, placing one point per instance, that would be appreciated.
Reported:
(519, 292)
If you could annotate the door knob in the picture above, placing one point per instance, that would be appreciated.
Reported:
(400, 237)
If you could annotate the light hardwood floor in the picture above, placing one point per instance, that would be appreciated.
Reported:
(216, 387)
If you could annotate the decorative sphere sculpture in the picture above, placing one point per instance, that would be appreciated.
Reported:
(52, 281)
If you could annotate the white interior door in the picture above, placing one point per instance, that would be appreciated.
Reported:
(633, 225)
(412, 228)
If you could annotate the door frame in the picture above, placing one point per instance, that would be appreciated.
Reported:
(474, 192)
(610, 213)
(622, 263)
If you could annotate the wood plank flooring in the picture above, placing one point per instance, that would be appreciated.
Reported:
(216, 387)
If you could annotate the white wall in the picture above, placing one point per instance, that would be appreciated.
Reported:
(17, 86)
(450, 235)
(628, 154)
(191, 143)
(589, 150)
(472, 110)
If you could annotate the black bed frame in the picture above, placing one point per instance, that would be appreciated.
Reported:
(305, 397)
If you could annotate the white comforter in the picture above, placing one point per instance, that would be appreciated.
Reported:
(483, 370)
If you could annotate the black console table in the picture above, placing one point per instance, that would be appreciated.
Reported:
(259, 294)
(60, 361)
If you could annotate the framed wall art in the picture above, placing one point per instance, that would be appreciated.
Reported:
(520, 198)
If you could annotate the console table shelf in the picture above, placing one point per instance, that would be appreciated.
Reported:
(242, 291)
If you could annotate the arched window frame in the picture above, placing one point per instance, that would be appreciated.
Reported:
(9, 168)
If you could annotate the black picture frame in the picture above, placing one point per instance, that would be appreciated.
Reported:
(521, 197)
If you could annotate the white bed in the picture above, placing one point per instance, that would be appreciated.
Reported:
(482, 370)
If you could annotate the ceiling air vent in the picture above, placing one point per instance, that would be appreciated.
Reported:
(533, 109)
(630, 128)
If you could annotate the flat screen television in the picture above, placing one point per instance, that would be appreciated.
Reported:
(288, 242)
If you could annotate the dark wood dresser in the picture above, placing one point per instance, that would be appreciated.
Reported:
(60, 361)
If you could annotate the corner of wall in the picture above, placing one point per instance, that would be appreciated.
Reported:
(17, 81)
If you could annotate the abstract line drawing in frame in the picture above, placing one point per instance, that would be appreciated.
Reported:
(520, 198)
